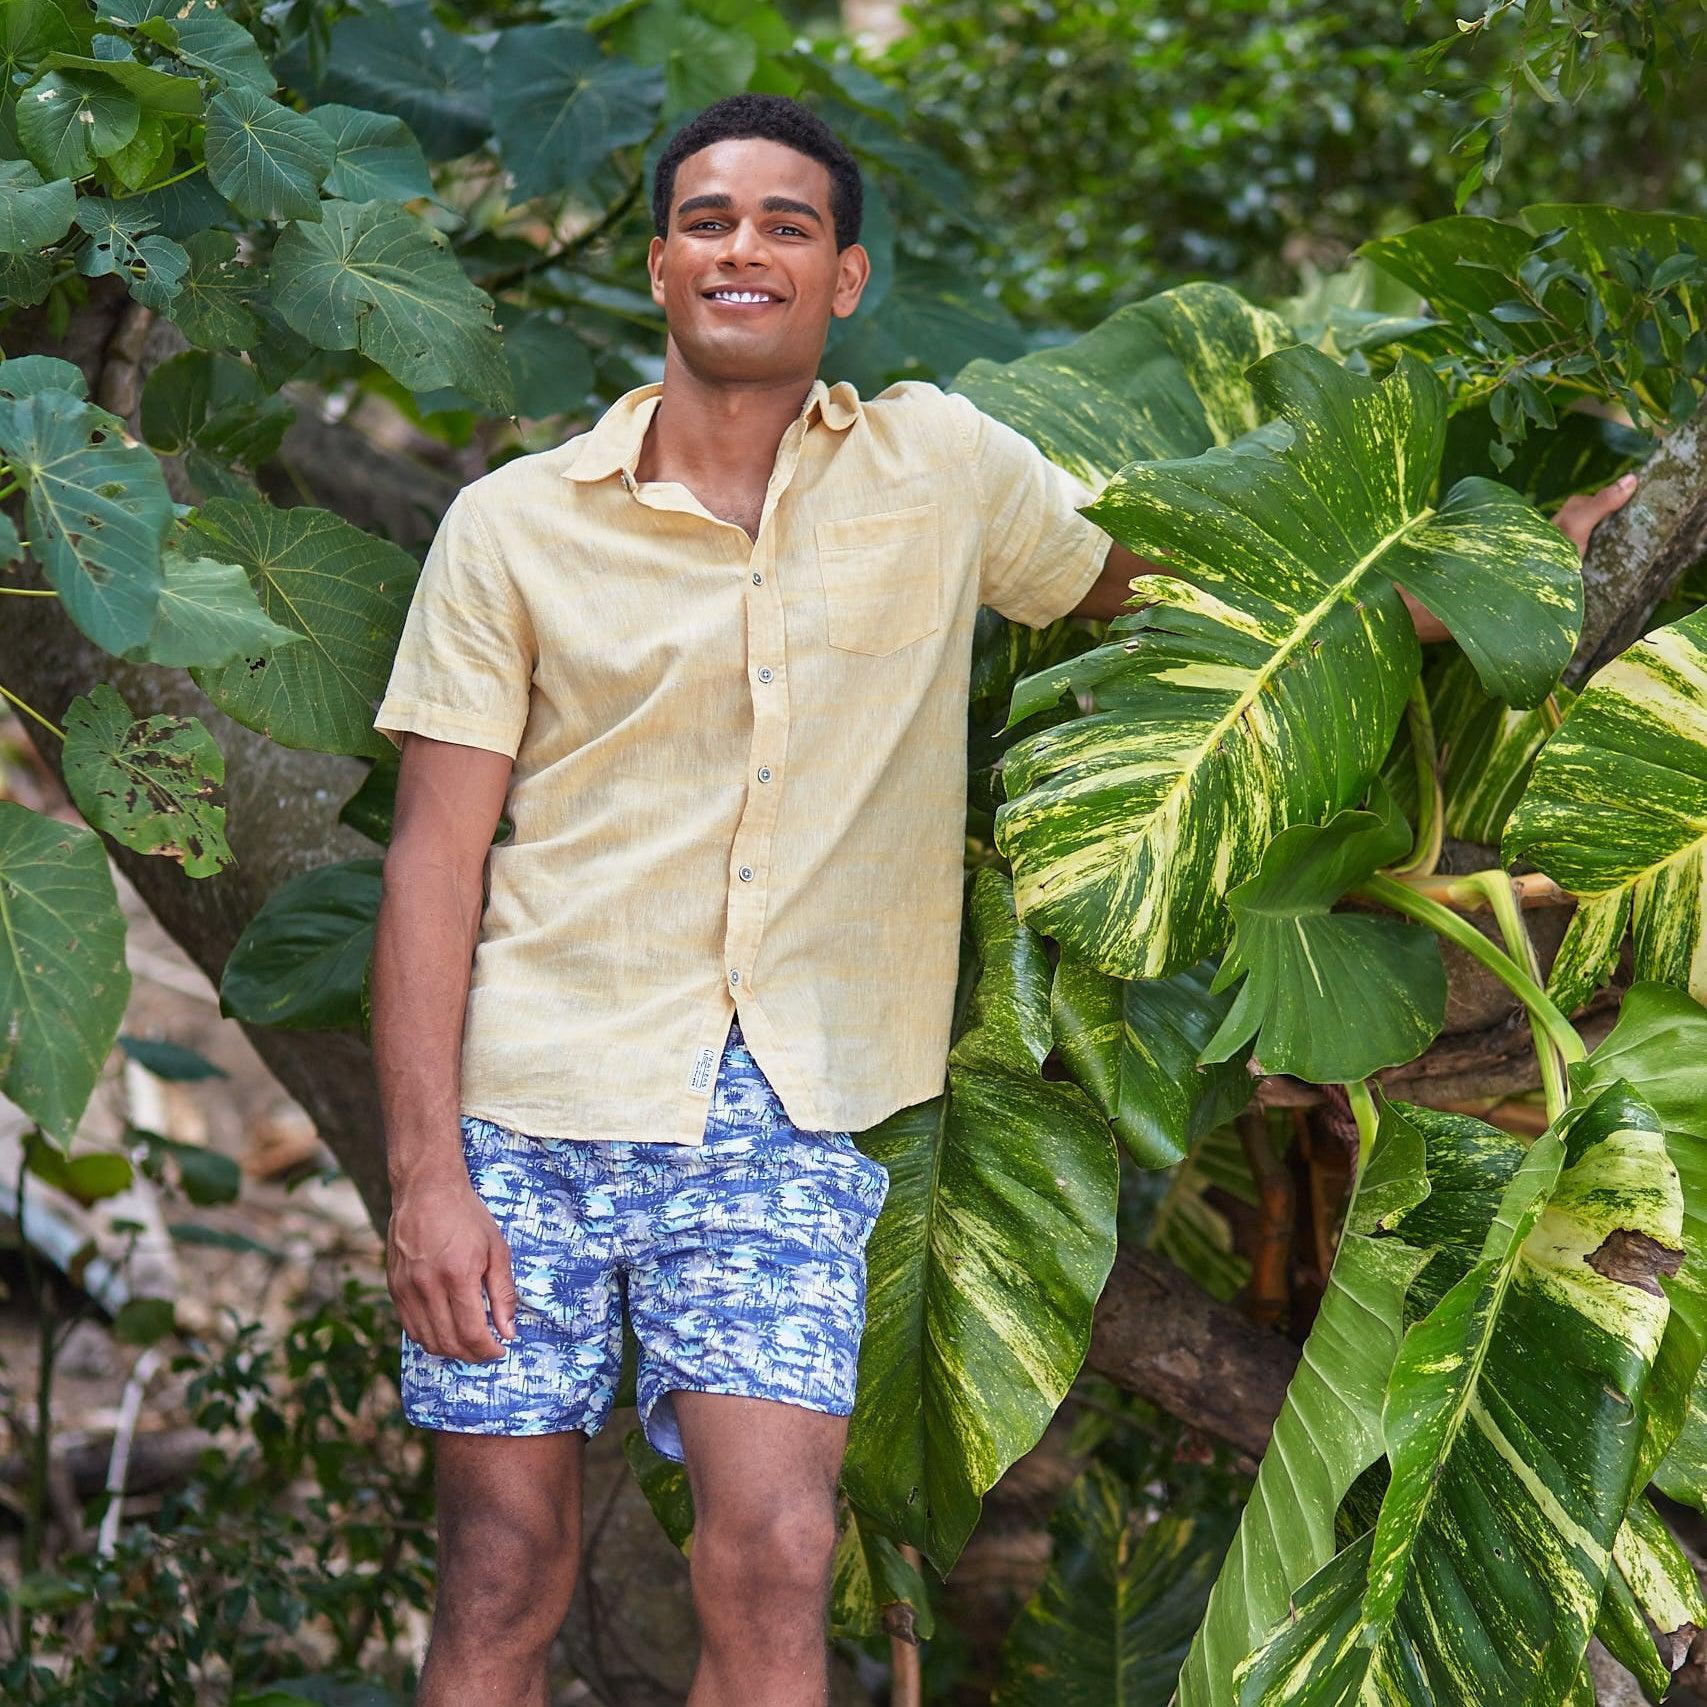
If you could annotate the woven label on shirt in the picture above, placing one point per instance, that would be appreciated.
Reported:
(704, 1064)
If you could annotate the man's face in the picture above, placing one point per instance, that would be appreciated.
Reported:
(751, 219)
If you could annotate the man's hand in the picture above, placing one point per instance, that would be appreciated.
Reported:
(441, 1247)
(1578, 516)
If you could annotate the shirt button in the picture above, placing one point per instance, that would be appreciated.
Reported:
(746, 874)
(764, 672)
(734, 976)
(758, 579)
(764, 773)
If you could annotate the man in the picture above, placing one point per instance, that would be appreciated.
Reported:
(711, 657)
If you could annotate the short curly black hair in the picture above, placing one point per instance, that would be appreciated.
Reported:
(777, 118)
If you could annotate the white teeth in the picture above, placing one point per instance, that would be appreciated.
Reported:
(740, 296)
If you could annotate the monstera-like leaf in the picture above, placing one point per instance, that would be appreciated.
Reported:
(1162, 377)
(1329, 1429)
(1263, 686)
(993, 1246)
(1512, 1432)
(1616, 812)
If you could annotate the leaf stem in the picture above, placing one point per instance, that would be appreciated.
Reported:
(1497, 887)
(1363, 1110)
(24, 705)
(1431, 800)
(1427, 911)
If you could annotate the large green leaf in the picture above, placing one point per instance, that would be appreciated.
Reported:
(995, 1241)
(68, 120)
(154, 784)
(300, 960)
(1659, 1044)
(1512, 1429)
(33, 214)
(402, 60)
(63, 978)
(98, 508)
(1329, 1429)
(1328, 996)
(1134, 1046)
(342, 589)
(1616, 809)
(1162, 377)
(208, 615)
(267, 160)
(1114, 1617)
(121, 241)
(375, 156)
(560, 104)
(1264, 691)
(212, 307)
(369, 276)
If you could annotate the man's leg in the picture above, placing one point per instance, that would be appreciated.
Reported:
(509, 1545)
(763, 1475)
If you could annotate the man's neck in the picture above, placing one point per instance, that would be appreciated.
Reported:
(721, 434)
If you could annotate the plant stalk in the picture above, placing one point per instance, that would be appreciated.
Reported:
(1386, 892)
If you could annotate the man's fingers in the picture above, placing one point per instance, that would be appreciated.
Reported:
(501, 1288)
(473, 1335)
(1578, 516)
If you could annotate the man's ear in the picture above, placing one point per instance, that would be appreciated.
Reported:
(655, 268)
(853, 270)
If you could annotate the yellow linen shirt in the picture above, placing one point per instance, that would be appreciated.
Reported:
(740, 766)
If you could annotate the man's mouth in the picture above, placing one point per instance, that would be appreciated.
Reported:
(742, 297)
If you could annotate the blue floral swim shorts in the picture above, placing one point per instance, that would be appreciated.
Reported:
(741, 1261)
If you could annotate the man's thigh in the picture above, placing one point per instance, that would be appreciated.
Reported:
(753, 1463)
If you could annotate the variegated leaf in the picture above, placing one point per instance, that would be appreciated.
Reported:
(1263, 686)
(995, 1242)
(1616, 810)
(1512, 1428)
(1157, 378)
(1134, 1046)
(1329, 1429)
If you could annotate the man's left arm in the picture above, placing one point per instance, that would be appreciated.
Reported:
(1110, 595)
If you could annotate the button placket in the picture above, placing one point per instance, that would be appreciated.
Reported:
(768, 685)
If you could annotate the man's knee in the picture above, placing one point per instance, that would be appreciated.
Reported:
(507, 1566)
(773, 1549)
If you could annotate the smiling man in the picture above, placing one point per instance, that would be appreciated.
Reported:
(711, 658)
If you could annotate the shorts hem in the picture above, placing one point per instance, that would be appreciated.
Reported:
(504, 1426)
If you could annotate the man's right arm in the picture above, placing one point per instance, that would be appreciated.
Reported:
(442, 1244)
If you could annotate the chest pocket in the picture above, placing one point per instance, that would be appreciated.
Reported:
(882, 578)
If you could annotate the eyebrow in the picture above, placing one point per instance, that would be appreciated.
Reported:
(771, 204)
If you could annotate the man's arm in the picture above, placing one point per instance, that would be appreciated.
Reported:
(1576, 518)
(442, 1243)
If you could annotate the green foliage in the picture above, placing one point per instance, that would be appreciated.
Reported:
(312, 1521)
(1122, 146)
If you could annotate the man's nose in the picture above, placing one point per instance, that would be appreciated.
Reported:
(744, 245)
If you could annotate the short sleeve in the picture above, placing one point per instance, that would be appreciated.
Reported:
(464, 665)
(1040, 556)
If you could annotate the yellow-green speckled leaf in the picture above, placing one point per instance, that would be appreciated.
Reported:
(1616, 812)
(1263, 685)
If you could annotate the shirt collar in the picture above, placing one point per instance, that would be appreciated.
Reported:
(613, 442)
